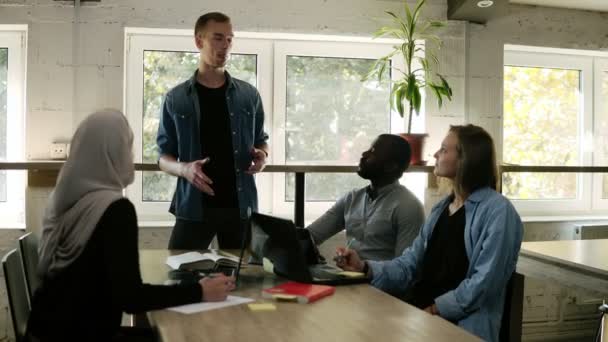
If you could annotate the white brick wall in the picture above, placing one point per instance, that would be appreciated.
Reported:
(75, 68)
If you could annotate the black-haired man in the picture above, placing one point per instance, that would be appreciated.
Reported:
(383, 218)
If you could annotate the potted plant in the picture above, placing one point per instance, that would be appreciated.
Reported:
(414, 35)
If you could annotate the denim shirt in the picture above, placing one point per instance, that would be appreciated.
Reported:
(493, 234)
(179, 136)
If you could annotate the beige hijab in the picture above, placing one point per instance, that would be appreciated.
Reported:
(100, 166)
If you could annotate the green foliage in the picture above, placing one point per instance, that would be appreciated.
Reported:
(411, 31)
(331, 118)
(540, 127)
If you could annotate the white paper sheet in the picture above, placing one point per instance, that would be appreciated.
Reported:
(200, 307)
(174, 261)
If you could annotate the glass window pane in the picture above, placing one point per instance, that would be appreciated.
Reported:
(541, 126)
(162, 71)
(3, 114)
(331, 118)
(534, 186)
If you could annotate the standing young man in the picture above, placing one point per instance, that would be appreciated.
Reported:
(211, 136)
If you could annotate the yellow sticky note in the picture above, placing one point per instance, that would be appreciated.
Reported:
(262, 306)
(350, 274)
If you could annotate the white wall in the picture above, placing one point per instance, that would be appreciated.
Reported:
(75, 57)
(522, 25)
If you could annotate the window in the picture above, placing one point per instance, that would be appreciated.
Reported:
(317, 109)
(321, 127)
(158, 60)
(549, 115)
(324, 114)
(12, 86)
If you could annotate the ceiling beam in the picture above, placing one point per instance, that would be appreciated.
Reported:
(469, 10)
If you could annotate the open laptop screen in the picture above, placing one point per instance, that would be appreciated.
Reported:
(283, 247)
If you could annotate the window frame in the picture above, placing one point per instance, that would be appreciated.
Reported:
(268, 47)
(138, 40)
(309, 48)
(600, 66)
(14, 37)
(586, 200)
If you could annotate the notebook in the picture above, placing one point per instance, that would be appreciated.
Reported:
(300, 292)
(201, 261)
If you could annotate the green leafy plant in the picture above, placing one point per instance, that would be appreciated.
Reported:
(415, 34)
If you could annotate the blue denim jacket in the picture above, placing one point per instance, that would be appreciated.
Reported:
(179, 136)
(492, 237)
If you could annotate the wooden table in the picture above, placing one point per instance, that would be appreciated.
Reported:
(353, 313)
(575, 263)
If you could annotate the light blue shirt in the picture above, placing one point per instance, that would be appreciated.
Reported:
(493, 234)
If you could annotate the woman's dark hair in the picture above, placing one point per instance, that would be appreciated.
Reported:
(476, 159)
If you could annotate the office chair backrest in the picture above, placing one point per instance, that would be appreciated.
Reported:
(17, 292)
(511, 328)
(28, 247)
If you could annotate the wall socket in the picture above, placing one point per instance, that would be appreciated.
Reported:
(59, 151)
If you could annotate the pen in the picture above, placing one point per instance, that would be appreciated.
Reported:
(340, 257)
(350, 243)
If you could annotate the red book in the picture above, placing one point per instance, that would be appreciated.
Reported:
(302, 293)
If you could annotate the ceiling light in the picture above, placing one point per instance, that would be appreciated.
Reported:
(485, 3)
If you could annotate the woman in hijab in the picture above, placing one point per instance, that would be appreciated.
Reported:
(459, 265)
(89, 260)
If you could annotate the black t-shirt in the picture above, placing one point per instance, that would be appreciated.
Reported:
(445, 262)
(216, 143)
(85, 301)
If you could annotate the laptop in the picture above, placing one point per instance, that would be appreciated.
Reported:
(294, 256)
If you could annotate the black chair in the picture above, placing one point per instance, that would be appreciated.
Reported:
(510, 327)
(28, 246)
(16, 290)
